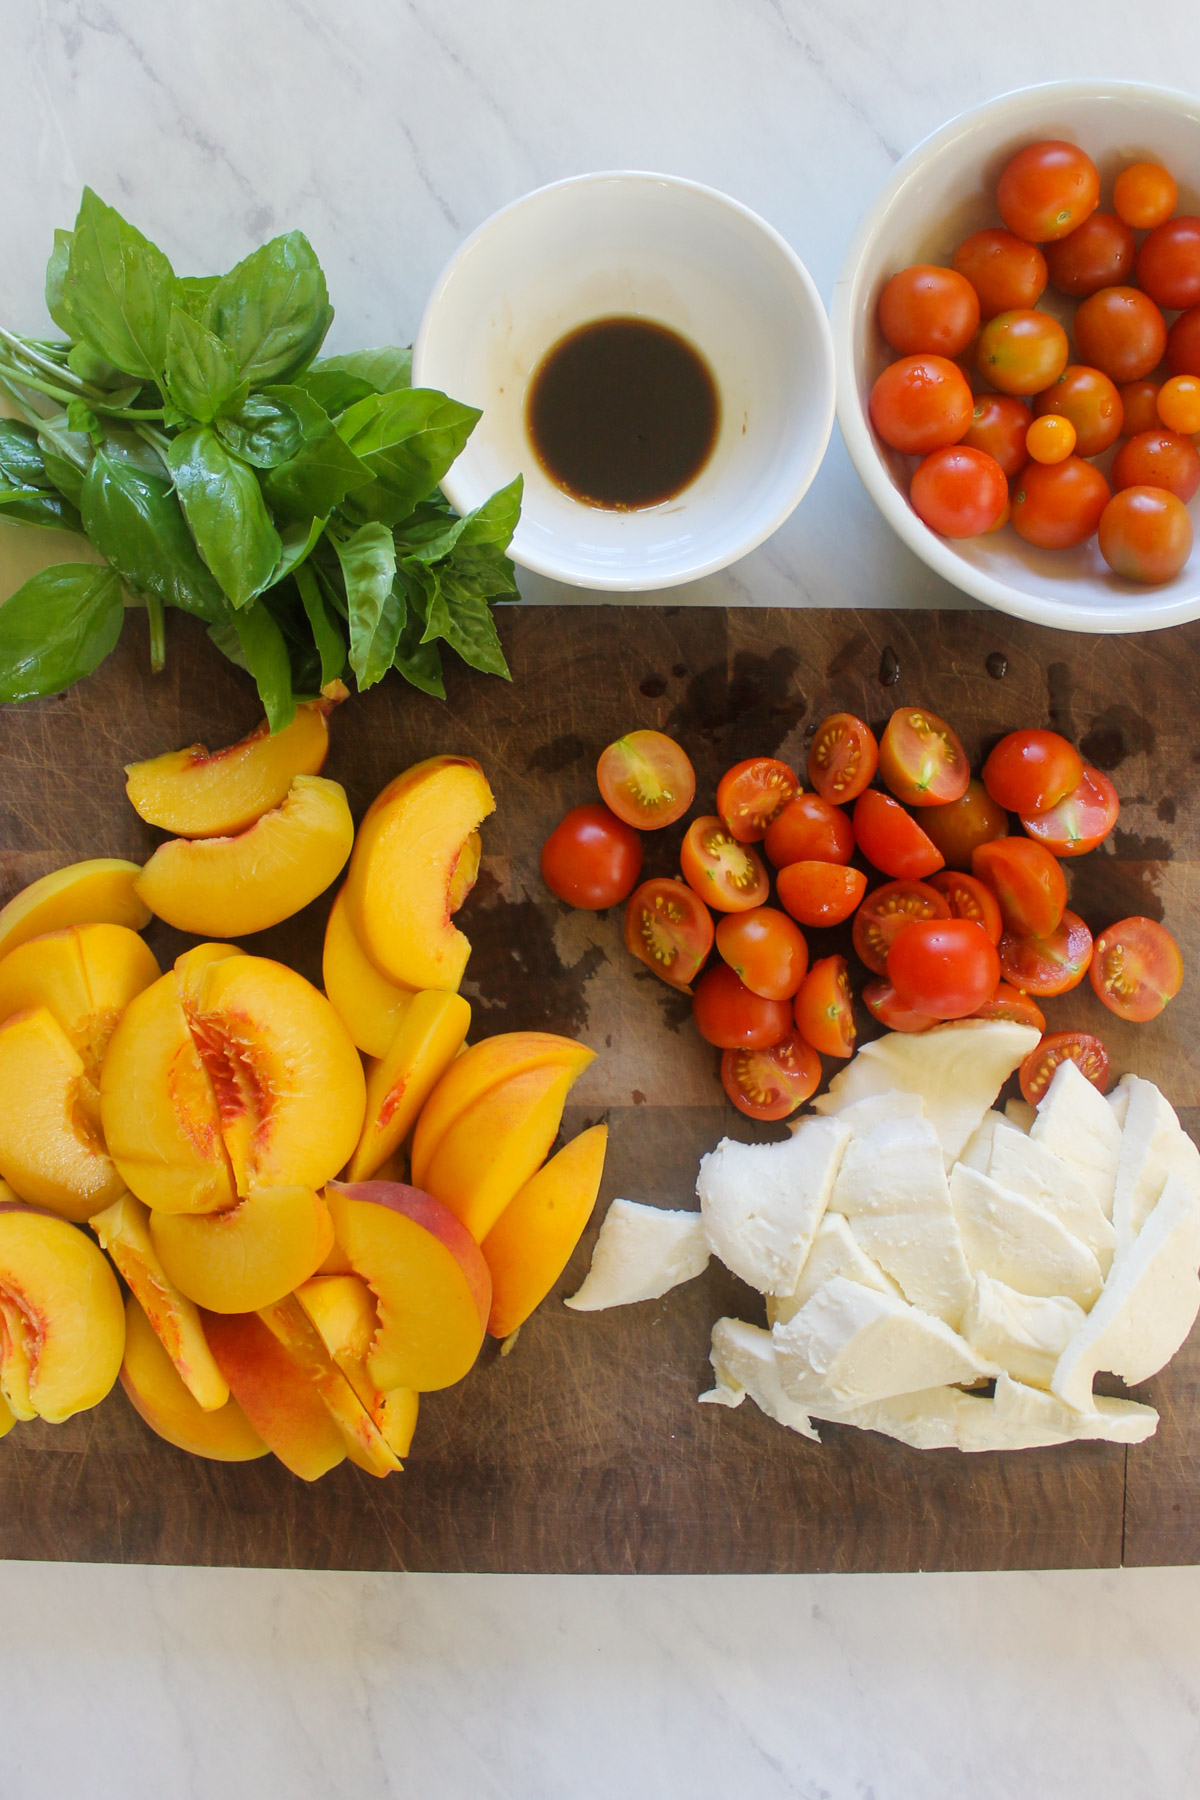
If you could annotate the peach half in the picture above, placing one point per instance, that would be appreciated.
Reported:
(405, 883)
(51, 1148)
(249, 1257)
(371, 1007)
(531, 1242)
(232, 886)
(276, 1394)
(100, 891)
(342, 1308)
(291, 1326)
(399, 1084)
(62, 1325)
(152, 1383)
(209, 793)
(86, 975)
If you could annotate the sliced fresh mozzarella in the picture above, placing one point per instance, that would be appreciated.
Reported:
(1026, 1418)
(1025, 1333)
(762, 1203)
(1077, 1123)
(927, 1420)
(835, 1251)
(1119, 1100)
(1020, 1243)
(1019, 1113)
(641, 1252)
(743, 1360)
(1026, 1167)
(978, 1152)
(880, 1109)
(1153, 1146)
(851, 1344)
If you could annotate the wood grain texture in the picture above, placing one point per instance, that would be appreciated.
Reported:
(584, 1450)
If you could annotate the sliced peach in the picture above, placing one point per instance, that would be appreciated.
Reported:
(86, 975)
(342, 1308)
(7, 1419)
(123, 1229)
(62, 1289)
(275, 1394)
(51, 1148)
(210, 793)
(231, 886)
(402, 889)
(18, 1357)
(288, 1081)
(294, 1330)
(371, 1007)
(531, 1242)
(152, 1382)
(482, 1068)
(399, 1084)
(431, 1285)
(247, 1258)
(100, 891)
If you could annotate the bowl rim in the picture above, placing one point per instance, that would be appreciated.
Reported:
(825, 398)
(1140, 612)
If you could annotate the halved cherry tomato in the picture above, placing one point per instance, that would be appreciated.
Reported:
(1121, 331)
(1145, 195)
(891, 839)
(820, 893)
(1009, 1004)
(728, 1015)
(1158, 458)
(809, 829)
(1058, 505)
(842, 758)
(886, 911)
(824, 1008)
(1048, 965)
(728, 876)
(591, 859)
(647, 779)
(771, 1083)
(1047, 190)
(884, 1003)
(752, 794)
(958, 828)
(920, 403)
(922, 759)
(1098, 253)
(968, 898)
(1022, 352)
(1027, 881)
(928, 307)
(1137, 968)
(1037, 1071)
(1168, 263)
(1080, 821)
(669, 929)
(766, 949)
(1031, 771)
(944, 967)
(1145, 534)
(998, 426)
(1004, 270)
(1089, 401)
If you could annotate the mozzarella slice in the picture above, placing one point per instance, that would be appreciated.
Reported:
(978, 1151)
(1153, 1146)
(850, 1344)
(1025, 1333)
(1019, 1113)
(1020, 1243)
(1077, 1123)
(762, 1203)
(1025, 1418)
(1148, 1306)
(880, 1109)
(1119, 1100)
(641, 1252)
(743, 1360)
(1029, 1169)
(927, 1420)
(835, 1251)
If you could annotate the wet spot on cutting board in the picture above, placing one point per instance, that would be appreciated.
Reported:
(558, 754)
(1115, 734)
(1133, 848)
(1106, 887)
(889, 667)
(653, 687)
(749, 710)
(1059, 695)
(516, 979)
(1166, 809)
(676, 1008)
(997, 665)
(847, 656)
(637, 1096)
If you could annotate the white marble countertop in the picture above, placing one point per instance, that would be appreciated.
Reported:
(387, 129)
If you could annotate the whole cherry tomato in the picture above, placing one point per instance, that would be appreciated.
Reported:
(1027, 881)
(1004, 270)
(922, 759)
(884, 1003)
(753, 793)
(1050, 439)
(1145, 534)
(959, 492)
(957, 828)
(1139, 400)
(824, 1008)
(1145, 195)
(670, 929)
(1136, 968)
(1168, 263)
(766, 949)
(1047, 190)
(1029, 771)
(728, 876)
(1022, 352)
(968, 898)
(842, 758)
(928, 308)
(1158, 458)
(1048, 965)
(1009, 1004)
(646, 779)
(728, 1015)
(1178, 403)
(921, 403)
(886, 911)
(771, 1083)
(1090, 401)
(1038, 1069)
(809, 829)
(1183, 343)
(1098, 253)
(946, 967)
(1121, 331)
(891, 838)
(592, 859)
(998, 426)
(1058, 505)
(820, 893)
(1081, 820)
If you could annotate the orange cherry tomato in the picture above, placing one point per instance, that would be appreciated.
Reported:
(1050, 439)
(728, 876)
(998, 426)
(1058, 505)
(1145, 534)
(842, 758)
(1089, 401)
(824, 1008)
(669, 929)
(1121, 331)
(591, 859)
(1009, 1004)
(1027, 881)
(766, 949)
(1168, 263)
(884, 1003)
(1081, 820)
(1099, 253)
(891, 838)
(959, 492)
(1048, 965)
(646, 779)
(1183, 344)
(728, 1015)
(1145, 195)
(968, 898)
(809, 829)
(1139, 402)
(753, 793)
(945, 967)
(886, 911)
(1179, 403)
(1136, 968)
(1022, 352)
(1158, 458)
(957, 828)
(820, 893)
(921, 403)
(1038, 1069)
(1004, 270)
(922, 759)
(771, 1083)
(928, 308)
(1047, 190)
(1030, 771)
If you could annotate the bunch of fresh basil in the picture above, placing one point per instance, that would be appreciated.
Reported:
(189, 428)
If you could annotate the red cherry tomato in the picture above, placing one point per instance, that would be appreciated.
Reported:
(957, 828)
(824, 1008)
(968, 898)
(820, 893)
(1168, 263)
(809, 829)
(842, 758)
(1183, 343)
(1145, 534)
(669, 929)
(1058, 505)
(1049, 965)
(998, 426)
(929, 308)
(884, 1003)
(1008, 1004)
(1027, 881)
(1098, 253)
(921, 403)
(1144, 195)
(1090, 401)
(592, 859)
(771, 1083)
(766, 949)
(959, 492)
(922, 759)
(1136, 968)
(1081, 820)
(886, 911)
(1139, 399)
(646, 779)
(728, 1015)
(946, 967)
(1030, 771)
(1047, 190)
(1004, 270)
(1121, 331)
(1158, 458)
(1038, 1069)
(1022, 352)
(753, 793)
(891, 838)
(728, 876)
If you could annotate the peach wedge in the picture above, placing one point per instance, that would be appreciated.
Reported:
(223, 887)
(398, 1086)
(153, 1386)
(371, 1007)
(100, 891)
(276, 1394)
(210, 793)
(86, 975)
(51, 1149)
(290, 1325)
(342, 1308)
(63, 1330)
(531, 1242)
(242, 1260)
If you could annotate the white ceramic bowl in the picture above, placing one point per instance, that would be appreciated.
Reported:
(940, 192)
(663, 249)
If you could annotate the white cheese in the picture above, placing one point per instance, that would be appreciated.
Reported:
(1077, 1123)
(1148, 1306)
(1026, 1418)
(1153, 1146)
(743, 1360)
(1020, 1243)
(978, 1151)
(927, 1420)
(835, 1251)
(762, 1203)
(850, 1344)
(1025, 1167)
(641, 1252)
(1019, 1113)
(880, 1109)
(1119, 1100)
(1025, 1333)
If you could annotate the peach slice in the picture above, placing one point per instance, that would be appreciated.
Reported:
(249, 1257)
(210, 793)
(55, 1281)
(482, 1068)
(343, 1310)
(400, 1083)
(431, 1284)
(275, 1394)
(531, 1242)
(152, 1383)
(7, 1419)
(371, 1007)
(123, 1229)
(402, 889)
(231, 886)
(99, 891)
(288, 1081)
(51, 1148)
(86, 975)
(293, 1329)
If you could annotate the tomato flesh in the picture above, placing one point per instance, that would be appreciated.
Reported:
(1081, 820)
(765, 949)
(968, 898)
(1047, 190)
(1038, 1069)
(647, 779)
(728, 1015)
(886, 911)
(669, 929)
(1136, 969)
(809, 829)
(944, 967)
(591, 859)
(752, 794)
(1049, 965)
(820, 893)
(884, 1003)
(1027, 881)
(1031, 771)
(824, 1008)
(922, 759)
(842, 758)
(771, 1083)
(728, 876)
(892, 840)
(1009, 1004)
(958, 828)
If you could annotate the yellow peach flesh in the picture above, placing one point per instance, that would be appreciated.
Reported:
(531, 1242)
(400, 1083)
(477, 1071)
(290, 1325)
(209, 793)
(275, 1394)
(67, 1294)
(51, 1149)
(371, 1007)
(152, 1383)
(343, 1310)
(86, 975)
(247, 1258)
(99, 891)
(7, 1420)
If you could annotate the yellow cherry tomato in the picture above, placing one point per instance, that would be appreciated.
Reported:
(1050, 439)
(1144, 195)
(1179, 403)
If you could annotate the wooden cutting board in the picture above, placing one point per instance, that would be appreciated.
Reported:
(584, 1449)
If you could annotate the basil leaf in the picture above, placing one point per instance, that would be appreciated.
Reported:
(299, 541)
(58, 627)
(134, 519)
(419, 663)
(384, 370)
(82, 419)
(375, 605)
(327, 635)
(56, 275)
(192, 293)
(118, 290)
(33, 506)
(322, 472)
(408, 439)
(464, 620)
(66, 477)
(262, 430)
(22, 463)
(334, 390)
(224, 508)
(494, 522)
(272, 310)
(265, 655)
(201, 376)
(95, 369)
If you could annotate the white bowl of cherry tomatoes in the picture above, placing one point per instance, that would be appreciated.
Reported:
(1017, 341)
